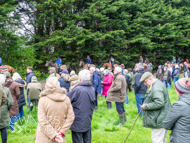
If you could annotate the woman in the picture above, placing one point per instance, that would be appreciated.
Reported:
(4, 120)
(159, 72)
(21, 100)
(167, 77)
(64, 80)
(108, 78)
(55, 113)
(176, 73)
(178, 117)
(127, 77)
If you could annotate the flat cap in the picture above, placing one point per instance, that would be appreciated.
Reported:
(145, 76)
(74, 78)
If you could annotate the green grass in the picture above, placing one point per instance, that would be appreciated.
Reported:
(104, 123)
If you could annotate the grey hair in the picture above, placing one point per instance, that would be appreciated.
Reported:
(140, 65)
(125, 71)
(118, 69)
(84, 75)
(92, 68)
(106, 72)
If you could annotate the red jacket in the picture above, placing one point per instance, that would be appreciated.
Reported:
(108, 79)
(187, 61)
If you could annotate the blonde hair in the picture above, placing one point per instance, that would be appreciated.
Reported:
(65, 76)
(125, 71)
(16, 76)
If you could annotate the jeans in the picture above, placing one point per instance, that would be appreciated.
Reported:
(59, 66)
(4, 135)
(175, 79)
(95, 101)
(139, 102)
(127, 100)
(21, 112)
(119, 107)
(81, 137)
(186, 74)
(167, 84)
(13, 120)
(27, 98)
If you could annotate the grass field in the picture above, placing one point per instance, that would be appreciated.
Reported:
(104, 123)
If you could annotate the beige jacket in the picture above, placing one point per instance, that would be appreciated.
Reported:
(33, 90)
(55, 114)
(117, 91)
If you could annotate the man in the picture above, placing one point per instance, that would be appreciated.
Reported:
(117, 94)
(74, 81)
(147, 61)
(95, 79)
(123, 68)
(1, 62)
(141, 59)
(139, 88)
(134, 76)
(187, 61)
(58, 62)
(111, 61)
(30, 74)
(33, 90)
(53, 73)
(174, 60)
(82, 99)
(88, 61)
(185, 70)
(156, 106)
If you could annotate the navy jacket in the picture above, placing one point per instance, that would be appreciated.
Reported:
(97, 83)
(21, 99)
(65, 84)
(82, 98)
(29, 77)
(88, 61)
(139, 87)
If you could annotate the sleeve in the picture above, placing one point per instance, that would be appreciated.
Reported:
(108, 82)
(56, 62)
(17, 91)
(71, 95)
(69, 120)
(45, 125)
(10, 101)
(173, 115)
(158, 101)
(118, 86)
(137, 83)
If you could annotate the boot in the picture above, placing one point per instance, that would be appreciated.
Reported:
(121, 120)
(125, 117)
(109, 105)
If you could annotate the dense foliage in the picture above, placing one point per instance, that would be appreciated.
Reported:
(73, 29)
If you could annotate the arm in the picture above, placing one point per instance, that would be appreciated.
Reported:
(173, 115)
(17, 91)
(110, 79)
(118, 84)
(3, 96)
(157, 103)
(45, 125)
(69, 120)
(10, 101)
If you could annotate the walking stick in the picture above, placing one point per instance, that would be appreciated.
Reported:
(133, 126)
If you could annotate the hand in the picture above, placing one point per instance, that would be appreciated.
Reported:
(143, 107)
(59, 139)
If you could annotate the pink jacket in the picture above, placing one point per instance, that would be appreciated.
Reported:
(108, 79)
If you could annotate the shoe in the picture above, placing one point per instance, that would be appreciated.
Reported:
(121, 120)
(125, 117)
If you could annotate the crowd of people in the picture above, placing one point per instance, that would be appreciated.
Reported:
(69, 100)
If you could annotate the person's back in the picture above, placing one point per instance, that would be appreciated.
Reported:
(139, 88)
(21, 100)
(33, 90)
(65, 84)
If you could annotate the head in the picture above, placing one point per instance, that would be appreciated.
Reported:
(106, 72)
(74, 79)
(92, 70)
(7, 74)
(173, 57)
(29, 69)
(148, 79)
(57, 57)
(72, 73)
(169, 65)
(125, 71)
(178, 58)
(84, 75)
(52, 83)
(52, 70)
(165, 68)
(2, 79)
(88, 57)
(185, 63)
(34, 79)
(139, 66)
(145, 66)
(65, 76)
(182, 86)
(122, 66)
(16, 76)
(176, 66)
(117, 70)
(140, 56)
(102, 69)
(130, 70)
(159, 66)
(97, 70)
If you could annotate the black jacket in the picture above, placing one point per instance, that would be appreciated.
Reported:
(82, 99)
(65, 84)
(29, 77)
(139, 87)
(21, 99)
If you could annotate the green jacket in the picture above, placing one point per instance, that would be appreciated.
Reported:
(4, 120)
(3, 97)
(157, 104)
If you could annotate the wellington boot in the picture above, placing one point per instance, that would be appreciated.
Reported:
(121, 120)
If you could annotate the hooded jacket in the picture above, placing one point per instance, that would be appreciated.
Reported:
(33, 90)
(21, 100)
(55, 114)
(82, 98)
(178, 120)
(15, 92)
(4, 120)
(139, 87)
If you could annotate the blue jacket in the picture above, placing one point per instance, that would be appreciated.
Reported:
(88, 61)
(1, 62)
(82, 98)
(29, 76)
(21, 99)
(97, 83)
(65, 84)
(58, 61)
(139, 87)
(179, 61)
